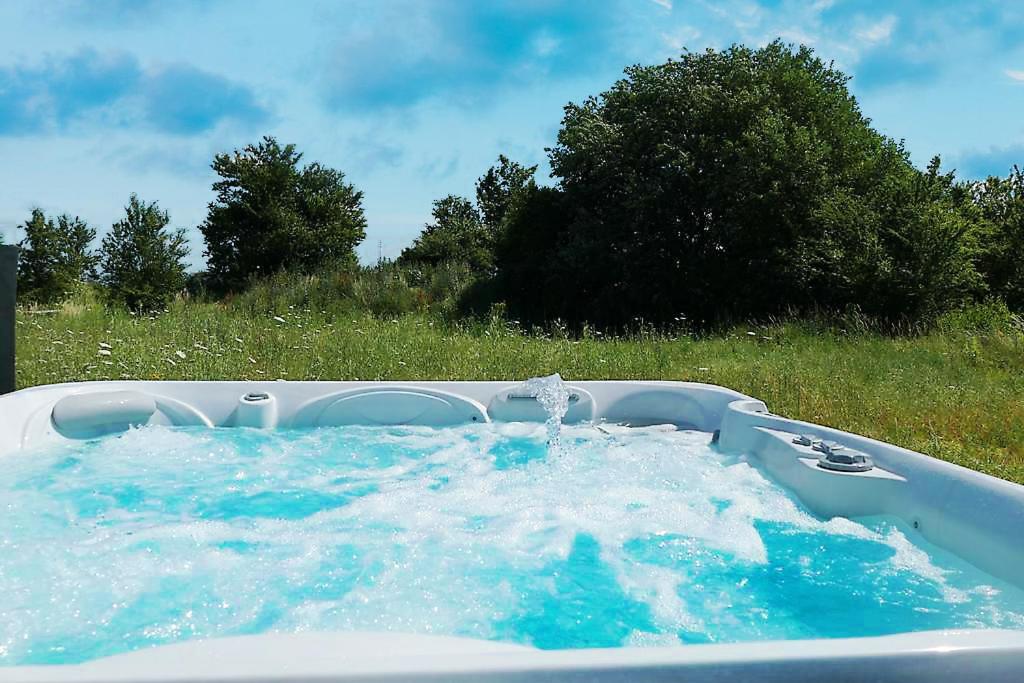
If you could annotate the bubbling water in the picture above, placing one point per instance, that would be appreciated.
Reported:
(634, 537)
(553, 395)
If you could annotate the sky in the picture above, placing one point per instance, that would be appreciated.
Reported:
(415, 99)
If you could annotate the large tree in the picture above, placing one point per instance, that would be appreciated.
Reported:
(271, 214)
(142, 259)
(55, 257)
(739, 183)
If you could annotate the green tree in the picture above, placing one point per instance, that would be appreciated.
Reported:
(464, 235)
(500, 188)
(270, 214)
(143, 260)
(1001, 257)
(55, 257)
(740, 183)
(457, 234)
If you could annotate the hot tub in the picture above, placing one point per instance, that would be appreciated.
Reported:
(458, 531)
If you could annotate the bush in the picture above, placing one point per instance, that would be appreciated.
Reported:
(142, 260)
(55, 258)
(270, 214)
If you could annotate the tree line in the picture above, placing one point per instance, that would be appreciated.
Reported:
(731, 184)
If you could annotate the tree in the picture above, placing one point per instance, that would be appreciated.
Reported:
(533, 257)
(500, 187)
(270, 214)
(456, 235)
(55, 257)
(1001, 257)
(463, 234)
(737, 184)
(142, 259)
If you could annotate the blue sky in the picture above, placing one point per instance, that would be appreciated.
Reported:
(414, 99)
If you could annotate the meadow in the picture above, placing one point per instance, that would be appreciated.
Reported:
(955, 392)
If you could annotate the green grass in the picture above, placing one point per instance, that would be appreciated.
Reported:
(954, 394)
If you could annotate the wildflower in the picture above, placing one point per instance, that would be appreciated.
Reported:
(103, 352)
(180, 354)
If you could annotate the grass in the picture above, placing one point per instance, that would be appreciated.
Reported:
(952, 393)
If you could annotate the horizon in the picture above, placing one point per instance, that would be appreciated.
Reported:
(414, 101)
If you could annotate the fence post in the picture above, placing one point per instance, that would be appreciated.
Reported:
(8, 290)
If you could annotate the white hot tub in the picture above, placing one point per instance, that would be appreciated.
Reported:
(835, 481)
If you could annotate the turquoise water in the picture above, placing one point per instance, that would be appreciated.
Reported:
(640, 537)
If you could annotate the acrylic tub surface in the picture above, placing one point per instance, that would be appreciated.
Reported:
(974, 517)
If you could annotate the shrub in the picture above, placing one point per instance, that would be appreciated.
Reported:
(142, 259)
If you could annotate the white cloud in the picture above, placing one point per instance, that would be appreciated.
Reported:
(878, 32)
(667, 4)
(1015, 74)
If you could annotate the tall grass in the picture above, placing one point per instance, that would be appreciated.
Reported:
(956, 392)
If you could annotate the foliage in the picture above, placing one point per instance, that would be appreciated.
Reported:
(535, 259)
(463, 234)
(1001, 260)
(498, 190)
(736, 184)
(55, 257)
(270, 214)
(142, 259)
(383, 289)
(457, 235)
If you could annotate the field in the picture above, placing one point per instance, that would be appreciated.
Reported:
(956, 393)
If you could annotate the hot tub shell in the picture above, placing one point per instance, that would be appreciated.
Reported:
(977, 517)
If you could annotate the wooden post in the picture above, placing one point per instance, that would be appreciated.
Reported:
(8, 291)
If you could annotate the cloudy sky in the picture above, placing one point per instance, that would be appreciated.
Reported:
(414, 99)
